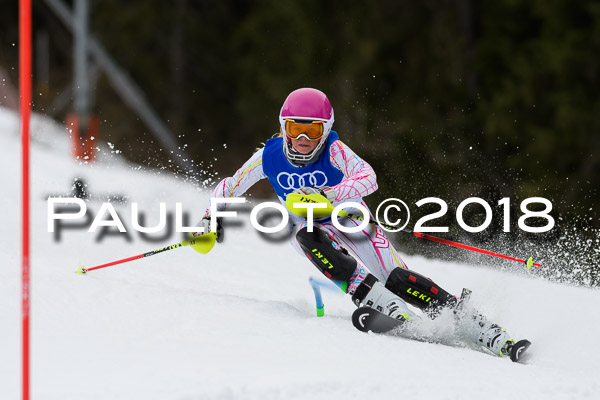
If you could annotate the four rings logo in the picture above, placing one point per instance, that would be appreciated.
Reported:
(289, 181)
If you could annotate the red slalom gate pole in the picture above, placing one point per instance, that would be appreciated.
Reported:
(467, 247)
(25, 108)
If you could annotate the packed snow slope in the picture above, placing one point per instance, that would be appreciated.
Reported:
(239, 322)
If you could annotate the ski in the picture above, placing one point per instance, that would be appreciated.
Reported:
(518, 349)
(367, 319)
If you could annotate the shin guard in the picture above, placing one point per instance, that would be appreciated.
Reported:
(331, 259)
(419, 291)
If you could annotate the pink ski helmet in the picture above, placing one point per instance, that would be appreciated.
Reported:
(306, 104)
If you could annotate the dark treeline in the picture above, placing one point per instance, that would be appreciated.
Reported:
(451, 99)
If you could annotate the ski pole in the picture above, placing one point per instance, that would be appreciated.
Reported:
(317, 284)
(529, 261)
(83, 270)
(201, 243)
(318, 298)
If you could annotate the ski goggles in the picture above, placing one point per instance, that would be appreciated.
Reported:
(313, 130)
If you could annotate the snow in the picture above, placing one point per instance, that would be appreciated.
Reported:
(239, 322)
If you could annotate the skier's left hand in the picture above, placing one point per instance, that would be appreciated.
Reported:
(327, 192)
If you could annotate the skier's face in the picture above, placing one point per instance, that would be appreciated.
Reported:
(304, 146)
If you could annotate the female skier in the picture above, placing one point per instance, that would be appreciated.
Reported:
(309, 158)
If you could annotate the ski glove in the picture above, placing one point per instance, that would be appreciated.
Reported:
(205, 223)
(327, 192)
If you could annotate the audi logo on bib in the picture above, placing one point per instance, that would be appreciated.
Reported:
(289, 181)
